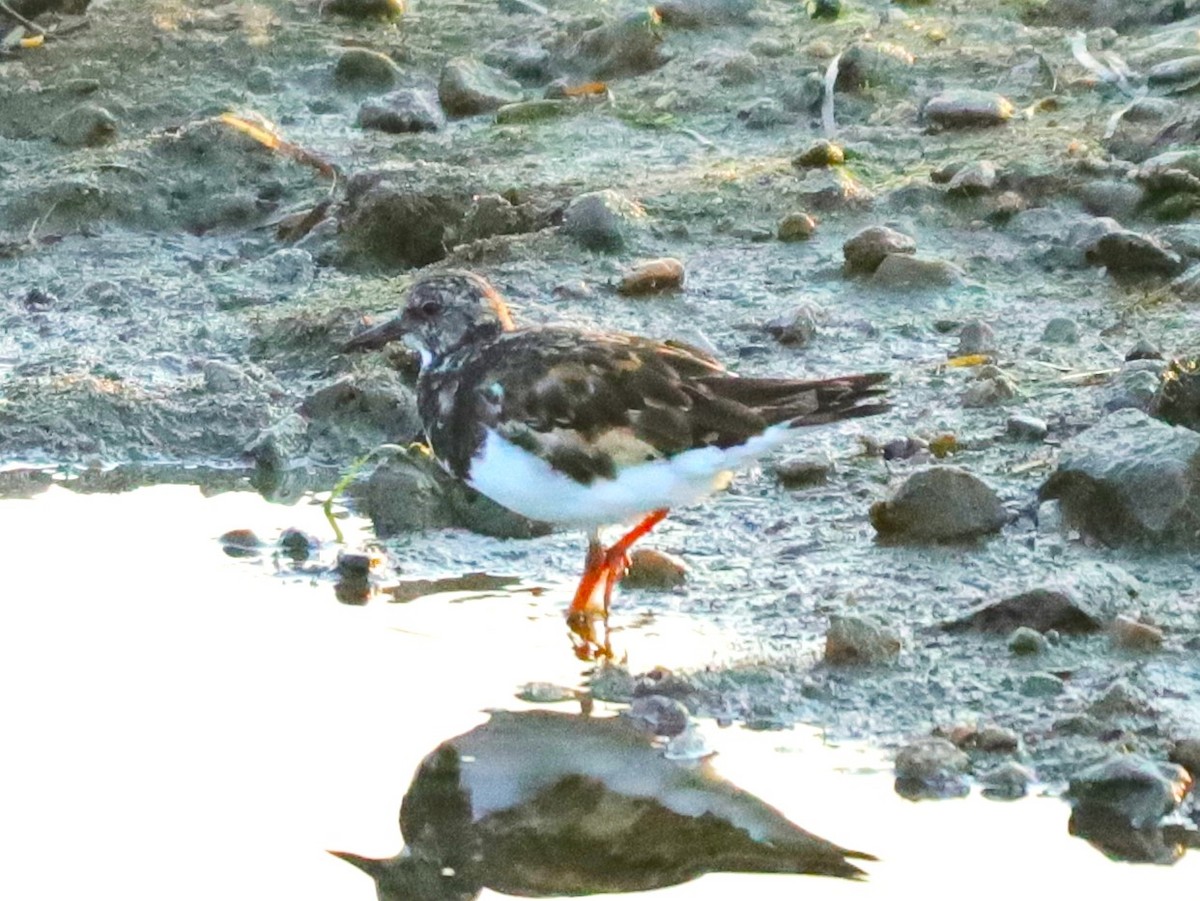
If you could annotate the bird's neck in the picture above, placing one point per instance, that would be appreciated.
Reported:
(477, 335)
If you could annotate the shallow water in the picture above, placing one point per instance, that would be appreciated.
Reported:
(183, 724)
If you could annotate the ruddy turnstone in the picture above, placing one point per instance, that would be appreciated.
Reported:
(587, 429)
(541, 803)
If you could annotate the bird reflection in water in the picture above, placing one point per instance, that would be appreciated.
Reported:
(541, 803)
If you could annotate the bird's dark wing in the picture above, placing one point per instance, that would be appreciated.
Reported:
(593, 403)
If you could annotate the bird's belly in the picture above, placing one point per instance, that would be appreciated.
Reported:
(524, 482)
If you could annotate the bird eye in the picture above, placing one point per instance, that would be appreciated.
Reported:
(431, 308)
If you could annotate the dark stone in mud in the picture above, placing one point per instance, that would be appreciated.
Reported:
(659, 714)
(931, 768)
(797, 328)
(402, 112)
(1008, 781)
(361, 69)
(86, 125)
(493, 214)
(297, 545)
(1134, 386)
(819, 154)
(1137, 790)
(966, 108)
(796, 226)
(832, 189)
(378, 401)
(241, 543)
(1177, 398)
(1119, 700)
(704, 13)
(854, 640)
(906, 272)
(1186, 753)
(942, 503)
(763, 113)
(803, 472)
(467, 87)
(1118, 199)
(865, 250)
(1130, 478)
(1061, 330)
(975, 337)
(630, 46)
(365, 9)
(1119, 14)
(1025, 641)
(872, 63)
(602, 220)
(1026, 428)
(1039, 609)
(1130, 253)
(973, 179)
(412, 493)
(393, 224)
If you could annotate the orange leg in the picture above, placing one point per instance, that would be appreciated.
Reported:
(603, 566)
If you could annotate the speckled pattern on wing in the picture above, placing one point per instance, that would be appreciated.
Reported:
(592, 403)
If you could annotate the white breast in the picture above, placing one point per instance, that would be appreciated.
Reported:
(526, 483)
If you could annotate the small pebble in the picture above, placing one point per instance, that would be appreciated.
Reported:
(601, 220)
(997, 740)
(365, 9)
(654, 570)
(359, 67)
(803, 472)
(819, 154)
(795, 329)
(865, 250)
(852, 640)
(973, 179)
(963, 108)
(546, 693)
(86, 125)
(659, 714)
(1024, 641)
(1060, 330)
(1186, 753)
(241, 543)
(931, 768)
(904, 272)
(1026, 428)
(1130, 635)
(1143, 350)
(1009, 780)
(653, 277)
(976, 337)
(297, 544)
(796, 227)
(1041, 685)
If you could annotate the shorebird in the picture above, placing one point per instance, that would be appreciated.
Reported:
(588, 429)
(542, 803)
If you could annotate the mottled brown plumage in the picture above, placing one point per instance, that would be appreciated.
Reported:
(589, 428)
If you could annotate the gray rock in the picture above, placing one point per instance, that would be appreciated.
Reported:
(659, 714)
(803, 472)
(860, 640)
(797, 226)
(967, 107)
(931, 768)
(1176, 171)
(1009, 780)
(361, 69)
(942, 503)
(975, 337)
(705, 13)
(389, 222)
(1187, 286)
(1118, 199)
(1130, 477)
(1129, 634)
(602, 220)
(376, 401)
(832, 189)
(872, 63)
(1186, 68)
(1026, 428)
(990, 386)
(997, 739)
(86, 125)
(902, 272)
(1134, 386)
(1186, 753)
(765, 112)
(1060, 330)
(492, 214)
(1040, 609)
(797, 328)
(1131, 253)
(654, 570)
(865, 250)
(975, 178)
(630, 46)
(1138, 790)
(1026, 641)
(467, 87)
(1118, 701)
(402, 112)
(404, 495)
(1041, 685)
(819, 154)
(365, 9)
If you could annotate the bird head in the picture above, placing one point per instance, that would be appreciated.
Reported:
(408, 877)
(442, 312)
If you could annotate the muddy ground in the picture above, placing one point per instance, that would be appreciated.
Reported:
(174, 307)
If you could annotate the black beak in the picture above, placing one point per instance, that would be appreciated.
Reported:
(377, 336)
